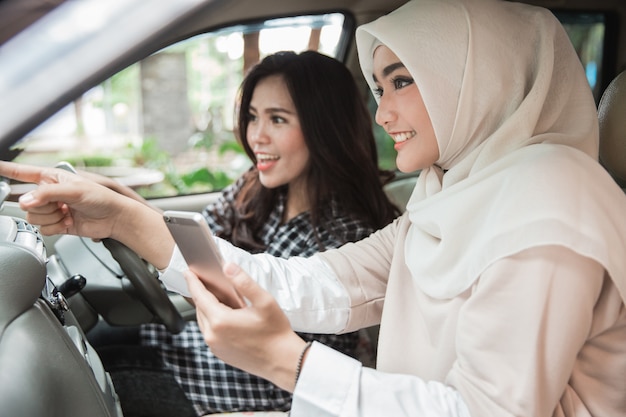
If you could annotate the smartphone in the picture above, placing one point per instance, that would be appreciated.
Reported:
(196, 244)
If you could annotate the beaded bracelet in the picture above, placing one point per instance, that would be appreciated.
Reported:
(301, 358)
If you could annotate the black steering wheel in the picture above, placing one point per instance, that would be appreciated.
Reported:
(147, 285)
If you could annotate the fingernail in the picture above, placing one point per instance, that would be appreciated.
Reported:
(27, 198)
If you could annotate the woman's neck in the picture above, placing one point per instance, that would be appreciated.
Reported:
(297, 202)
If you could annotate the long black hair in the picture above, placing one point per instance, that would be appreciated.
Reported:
(337, 130)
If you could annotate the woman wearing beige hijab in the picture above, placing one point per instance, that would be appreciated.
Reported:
(500, 292)
(504, 282)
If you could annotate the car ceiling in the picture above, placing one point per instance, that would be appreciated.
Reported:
(15, 15)
(18, 14)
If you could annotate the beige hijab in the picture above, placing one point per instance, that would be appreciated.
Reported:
(517, 131)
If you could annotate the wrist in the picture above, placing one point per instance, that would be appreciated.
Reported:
(143, 230)
(287, 362)
(130, 218)
(301, 360)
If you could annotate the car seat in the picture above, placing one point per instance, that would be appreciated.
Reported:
(47, 368)
(399, 190)
(612, 118)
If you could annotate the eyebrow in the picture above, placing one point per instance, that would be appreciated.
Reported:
(272, 110)
(389, 69)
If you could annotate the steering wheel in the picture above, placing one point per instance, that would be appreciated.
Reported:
(144, 281)
(146, 284)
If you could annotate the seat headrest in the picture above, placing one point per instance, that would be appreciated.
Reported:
(612, 118)
(22, 278)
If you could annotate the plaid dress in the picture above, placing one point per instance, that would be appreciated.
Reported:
(209, 383)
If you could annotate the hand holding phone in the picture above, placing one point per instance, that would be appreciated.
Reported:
(195, 242)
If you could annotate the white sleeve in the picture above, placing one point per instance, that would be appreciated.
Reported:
(307, 289)
(365, 392)
(172, 276)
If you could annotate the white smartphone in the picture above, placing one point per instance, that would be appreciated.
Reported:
(195, 241)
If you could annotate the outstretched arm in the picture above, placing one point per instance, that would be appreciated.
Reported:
(66, 203)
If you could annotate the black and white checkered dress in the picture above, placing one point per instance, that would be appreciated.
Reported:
(209, 383)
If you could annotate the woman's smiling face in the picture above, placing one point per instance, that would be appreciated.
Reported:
(402, 113)
(275, 135)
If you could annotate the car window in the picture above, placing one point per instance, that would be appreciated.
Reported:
(589, 33)
(164, 125)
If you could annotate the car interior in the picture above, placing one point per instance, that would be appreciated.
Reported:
(54, 290)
